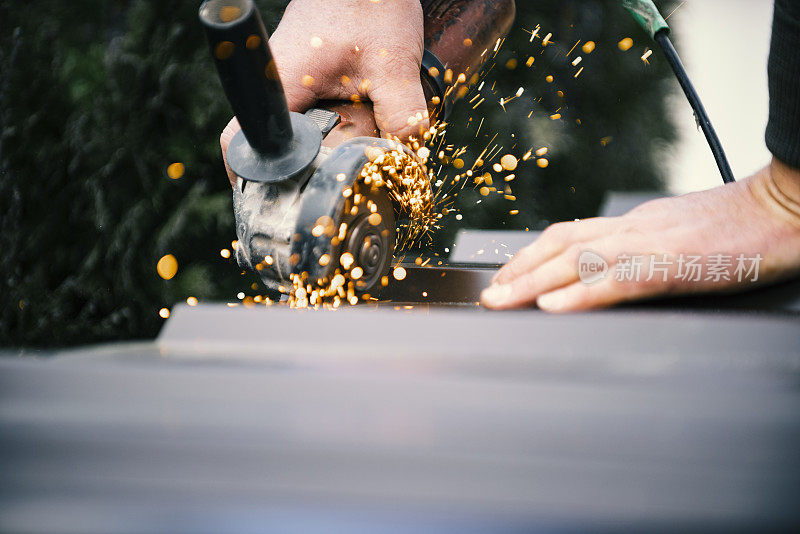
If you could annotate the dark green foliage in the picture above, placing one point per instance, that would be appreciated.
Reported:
(97, 98)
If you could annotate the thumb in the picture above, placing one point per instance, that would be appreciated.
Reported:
(399, 103)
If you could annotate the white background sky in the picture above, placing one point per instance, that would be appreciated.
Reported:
(724, 45)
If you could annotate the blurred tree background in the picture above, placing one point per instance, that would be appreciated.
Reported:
(98, 98)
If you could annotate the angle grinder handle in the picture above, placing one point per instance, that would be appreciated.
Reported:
(240, 48)
(460, 36)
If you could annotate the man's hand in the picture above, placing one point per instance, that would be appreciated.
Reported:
(352, 50)
(758, 215)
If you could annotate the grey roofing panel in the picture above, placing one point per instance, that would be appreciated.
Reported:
(372, 334)
(430, 419)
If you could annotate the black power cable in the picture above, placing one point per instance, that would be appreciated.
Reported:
(662, 38)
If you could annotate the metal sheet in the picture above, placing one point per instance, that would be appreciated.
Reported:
(429, 419)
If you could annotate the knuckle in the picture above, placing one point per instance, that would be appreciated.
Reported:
(524, 288)
(527, 251)
(397, 61)
(515, 269)
(626, 226)
(572, 252)
(555, 232)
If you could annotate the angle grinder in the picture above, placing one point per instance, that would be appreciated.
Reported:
(300, 201)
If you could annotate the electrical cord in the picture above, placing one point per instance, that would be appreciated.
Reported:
(663, 40)
(646, 14)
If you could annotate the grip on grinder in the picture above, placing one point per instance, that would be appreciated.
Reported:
(274, 144)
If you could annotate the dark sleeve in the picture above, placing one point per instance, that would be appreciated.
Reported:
(783, 129)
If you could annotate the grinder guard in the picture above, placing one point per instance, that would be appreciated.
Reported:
(280, 220)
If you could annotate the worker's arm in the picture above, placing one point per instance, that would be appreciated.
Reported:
(352, 49)
(756, 220)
